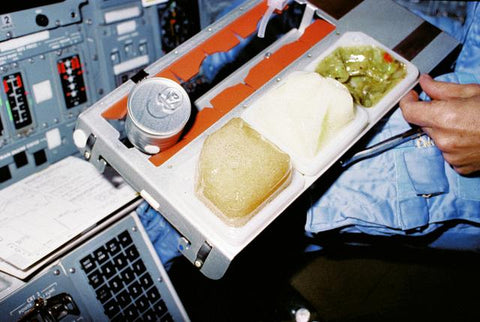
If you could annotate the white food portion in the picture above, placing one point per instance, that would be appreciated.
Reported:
(304, 112)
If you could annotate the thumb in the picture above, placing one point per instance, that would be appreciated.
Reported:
(416, 112)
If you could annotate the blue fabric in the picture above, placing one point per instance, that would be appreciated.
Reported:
(469, 59)
(212, 64)
(410, 190)
(162, 235)
(468, 34)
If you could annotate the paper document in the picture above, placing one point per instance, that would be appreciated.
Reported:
(47, 209)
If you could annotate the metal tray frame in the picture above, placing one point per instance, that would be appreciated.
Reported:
(102, 146)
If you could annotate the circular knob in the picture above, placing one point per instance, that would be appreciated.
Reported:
(41, 20)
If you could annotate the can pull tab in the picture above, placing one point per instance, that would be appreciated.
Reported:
(167, 102)
(272, 6)
(170, 99)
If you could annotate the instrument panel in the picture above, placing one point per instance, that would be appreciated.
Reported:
(58, 57)
(113, 276)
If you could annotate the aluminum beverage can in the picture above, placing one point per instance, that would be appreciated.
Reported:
(157, 111)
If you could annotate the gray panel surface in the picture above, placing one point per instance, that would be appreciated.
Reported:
(68, 276)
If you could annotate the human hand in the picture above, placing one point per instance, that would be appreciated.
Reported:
(451, 119)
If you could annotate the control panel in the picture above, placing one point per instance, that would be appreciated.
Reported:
(44, 88)
(58, 57)
(114, 276)
(122, 38)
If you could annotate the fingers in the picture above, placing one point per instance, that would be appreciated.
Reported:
(434, 114)
(416, 112)
(445, 91)
(450, 120)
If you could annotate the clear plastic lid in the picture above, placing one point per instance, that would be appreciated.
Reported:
(239, 171)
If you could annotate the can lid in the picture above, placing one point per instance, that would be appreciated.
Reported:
(159, 106)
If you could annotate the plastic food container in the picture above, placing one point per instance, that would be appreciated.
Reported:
(239, 171)
(350, 133)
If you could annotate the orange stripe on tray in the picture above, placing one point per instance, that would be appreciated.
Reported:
(246, 24)
(269, 67)
(223, 41)
(258, 75)
(117, 111)
(316, 31)
(231, 97)
(188, 65)
(166, 73)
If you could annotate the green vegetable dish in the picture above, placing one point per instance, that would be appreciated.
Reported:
(368, 72)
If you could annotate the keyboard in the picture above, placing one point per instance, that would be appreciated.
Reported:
(114, 276)
(121, 282)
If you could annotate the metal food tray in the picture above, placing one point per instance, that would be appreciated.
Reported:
(207, 241)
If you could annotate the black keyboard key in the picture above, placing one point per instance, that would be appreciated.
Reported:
(135, 289)
(124, 299)
(131, 313)
(111, 308)
(95, 278)
(142, 303)
(87, 263)
(166, 318)
(113, 247)
(149, 316)
(116, 284)
(121, 282)
(125, 239)
(146, 281)
(101, 255)
(153, 295)
(128, 275)
(139, 267)
(160, 308)
(119, 318)
(120, 261)
(132, 253)
(103, 294)
(108, 270)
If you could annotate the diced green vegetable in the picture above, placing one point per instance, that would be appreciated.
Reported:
(368, 72)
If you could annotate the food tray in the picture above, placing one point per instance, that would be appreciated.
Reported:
(183, 178)
(169, 187)
(350, 133)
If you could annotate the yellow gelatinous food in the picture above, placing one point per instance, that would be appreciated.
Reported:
(368, 72)
(238, 171)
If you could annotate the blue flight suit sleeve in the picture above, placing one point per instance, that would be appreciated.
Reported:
(162, 235)
(409, 190)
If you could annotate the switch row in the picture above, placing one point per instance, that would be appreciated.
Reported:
(20, 159)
